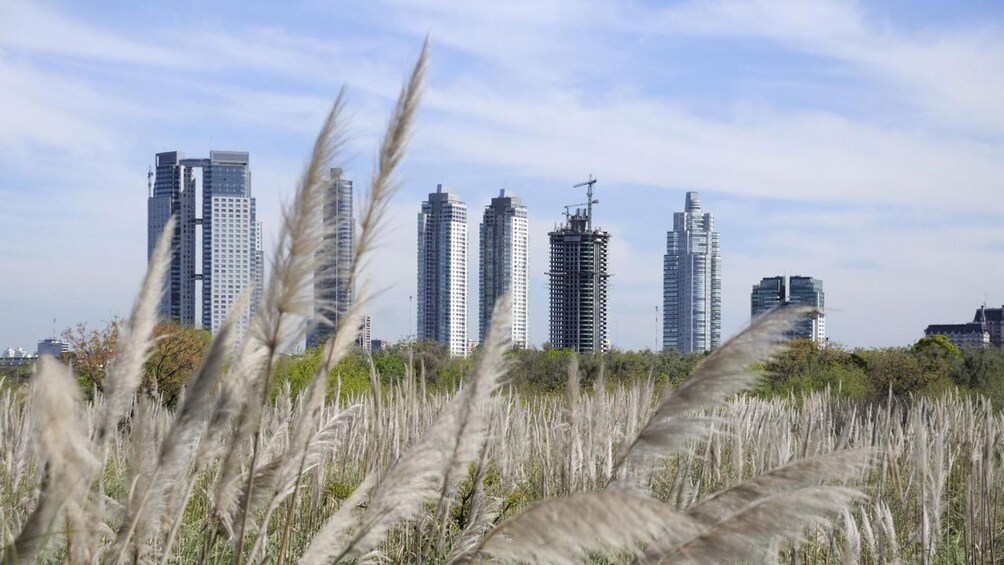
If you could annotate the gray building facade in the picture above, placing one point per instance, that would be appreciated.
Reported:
(172, 193)
(692, 281)
(578, 285)
(333, 293)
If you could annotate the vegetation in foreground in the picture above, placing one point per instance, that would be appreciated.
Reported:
(642, 472)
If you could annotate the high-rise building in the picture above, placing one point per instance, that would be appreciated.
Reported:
(578, 281)
(771, 292)
(231, 236)
(172, 193)
(692, 282)
(808, 291)
(504, 264)
(442, 271)
(333, 293)
(768, 294)
(52, 346)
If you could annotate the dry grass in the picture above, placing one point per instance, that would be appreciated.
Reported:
(689, 475)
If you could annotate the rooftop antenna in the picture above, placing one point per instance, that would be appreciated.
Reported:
(149, 181)
(589, 201)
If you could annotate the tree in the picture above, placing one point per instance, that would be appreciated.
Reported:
(173, 358)
(91, 350)
(176, 354)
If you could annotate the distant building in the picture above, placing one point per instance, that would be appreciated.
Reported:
(578, 283)
(16, 357)
(808, 291)
(378, 344)
(504, 264)
(770, 293)
(172, 193)
(333, 293)
(973, 334)
(773, 291)
(231, 236)
(442, 271)
(365, 338)
(993, 320)
(692, 281)
(53, 347)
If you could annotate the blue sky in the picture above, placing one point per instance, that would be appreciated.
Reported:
(862, 144)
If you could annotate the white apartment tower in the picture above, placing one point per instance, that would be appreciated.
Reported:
(442, 271)
(692, 282)
(231, 236)
(504, 264)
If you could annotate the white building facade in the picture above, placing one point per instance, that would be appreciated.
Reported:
(442, 271)
(504, 264)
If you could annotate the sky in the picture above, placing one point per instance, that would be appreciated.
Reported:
(858, 143)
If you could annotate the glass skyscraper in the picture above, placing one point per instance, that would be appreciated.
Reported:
(442, 271)
(172, 193)
(772, 291)
(231, 254)
(809, 291)
(692, 282)
(333, 295)
(504, 264)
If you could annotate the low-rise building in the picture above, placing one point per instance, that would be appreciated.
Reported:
(973, 334)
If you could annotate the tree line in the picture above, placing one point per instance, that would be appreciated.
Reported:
(930, 366)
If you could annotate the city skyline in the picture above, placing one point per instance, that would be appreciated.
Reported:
(858, 142)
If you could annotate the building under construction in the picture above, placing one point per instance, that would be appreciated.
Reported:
(578, 281)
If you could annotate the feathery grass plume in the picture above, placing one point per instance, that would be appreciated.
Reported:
(567, 529)
(148, 500)
(480, 511)
(749, 535)
(723, 373)
(852, 540)
(431, 468)
(62, 445)
(280, 478)
(279, 319)
(836, 466)
(126, 371)
(382, 187)
(329, 539)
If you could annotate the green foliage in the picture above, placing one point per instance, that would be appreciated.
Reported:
(805, 367)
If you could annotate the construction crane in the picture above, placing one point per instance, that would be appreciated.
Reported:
(589, 200)
(569, 207)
